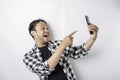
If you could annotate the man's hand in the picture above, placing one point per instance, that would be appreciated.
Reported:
(94, 29)
(54, 59)
(68, 40)
(93, 36)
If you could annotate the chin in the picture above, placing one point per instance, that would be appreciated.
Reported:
(45, 40)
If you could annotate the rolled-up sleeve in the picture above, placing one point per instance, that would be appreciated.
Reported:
(36, 65)
(77, 51)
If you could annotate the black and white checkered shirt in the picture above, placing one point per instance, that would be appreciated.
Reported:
(34, 60)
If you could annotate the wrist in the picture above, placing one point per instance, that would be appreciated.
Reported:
(93, 38)
(63, 45)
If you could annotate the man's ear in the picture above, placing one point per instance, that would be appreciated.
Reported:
(33, 33)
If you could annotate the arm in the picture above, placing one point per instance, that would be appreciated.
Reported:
(76, 52)
(80, 51)
(93, 37)
(34, 62)
(54, 59)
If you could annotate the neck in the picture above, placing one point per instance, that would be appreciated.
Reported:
(40, 43)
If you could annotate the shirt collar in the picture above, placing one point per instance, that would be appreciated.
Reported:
(50, 44)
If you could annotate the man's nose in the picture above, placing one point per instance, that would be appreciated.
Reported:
(46, 29)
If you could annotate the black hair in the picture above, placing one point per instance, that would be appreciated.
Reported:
(32, 25)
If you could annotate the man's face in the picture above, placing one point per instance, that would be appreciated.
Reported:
(42, 32)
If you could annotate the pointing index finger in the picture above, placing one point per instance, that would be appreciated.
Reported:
(72, 33)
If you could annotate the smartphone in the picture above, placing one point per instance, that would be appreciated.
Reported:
(88, 22)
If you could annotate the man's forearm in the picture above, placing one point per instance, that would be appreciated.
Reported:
(93, 37)
(54, 59)
(89, 43)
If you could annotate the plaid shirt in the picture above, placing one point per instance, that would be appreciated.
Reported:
(34, 61)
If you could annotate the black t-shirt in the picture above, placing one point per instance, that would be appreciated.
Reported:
(58, 73)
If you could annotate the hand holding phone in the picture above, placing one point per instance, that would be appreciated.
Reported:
(88, 22)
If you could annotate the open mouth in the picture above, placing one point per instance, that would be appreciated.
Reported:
(46, 35)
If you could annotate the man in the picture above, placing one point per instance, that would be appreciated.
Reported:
(50, 59)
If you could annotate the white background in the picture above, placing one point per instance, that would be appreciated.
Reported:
(63, 16)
